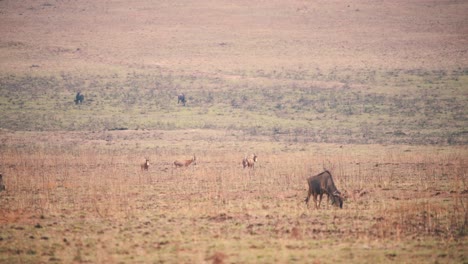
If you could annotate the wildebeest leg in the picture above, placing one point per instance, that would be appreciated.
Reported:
(320, 199)
(315, 200)
(307, 199)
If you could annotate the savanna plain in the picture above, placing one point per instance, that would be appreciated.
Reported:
(374, 92)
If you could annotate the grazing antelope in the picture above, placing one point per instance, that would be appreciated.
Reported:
(145, 165)
(249, 162)
(185, 163)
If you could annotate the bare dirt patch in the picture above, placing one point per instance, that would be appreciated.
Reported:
(230, 37)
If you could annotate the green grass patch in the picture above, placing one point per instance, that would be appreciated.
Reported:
(346, 106)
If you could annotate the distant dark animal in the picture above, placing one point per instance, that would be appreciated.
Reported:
(145, 165)
(2, 186)
(323, 184)
(79, 98)
(181, 99)
(249, 162)
(185, 163)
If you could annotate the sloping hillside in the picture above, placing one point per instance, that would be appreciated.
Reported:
(323, 71)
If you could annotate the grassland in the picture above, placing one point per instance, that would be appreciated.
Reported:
(372, 107)
(81, 197)
(375, 92)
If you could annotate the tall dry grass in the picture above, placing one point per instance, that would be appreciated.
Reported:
(390, 194)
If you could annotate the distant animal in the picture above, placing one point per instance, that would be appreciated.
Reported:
(249, 162)
(145, 165)
(320, 184)
(181, 99)
(2, 186)
(185, 163)
(79, 98)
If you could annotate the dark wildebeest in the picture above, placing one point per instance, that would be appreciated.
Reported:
(249, 162)
(2, 186)
(185, 163)
(79, 98)
(323, 184)
(145, 165)
(181, 99)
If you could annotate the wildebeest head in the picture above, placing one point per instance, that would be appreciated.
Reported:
(337, 199)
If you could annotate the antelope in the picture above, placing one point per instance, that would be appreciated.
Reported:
(185, 163)
(249, 162)
(145, 165)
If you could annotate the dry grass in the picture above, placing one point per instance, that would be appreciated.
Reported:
(302, 73)
(94, 201)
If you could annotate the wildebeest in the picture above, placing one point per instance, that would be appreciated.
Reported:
(181, 99)
(185, 163)
(249, 162)
(145, 165)
(320, 184)
(79, 98)
(2, 186)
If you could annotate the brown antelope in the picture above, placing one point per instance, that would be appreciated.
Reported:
(145, 165)
(185, 163)
(249, 162)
